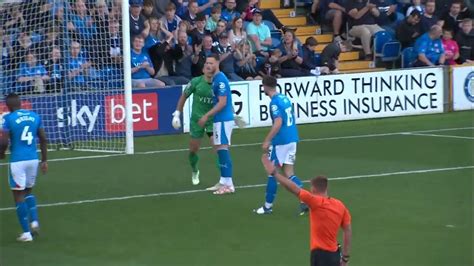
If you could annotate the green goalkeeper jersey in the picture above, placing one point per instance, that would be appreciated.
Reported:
(202, 97)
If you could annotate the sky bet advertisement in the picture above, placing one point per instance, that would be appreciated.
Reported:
(72, 117)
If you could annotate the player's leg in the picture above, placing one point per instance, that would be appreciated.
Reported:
(30, 198)
(17, 182)
(196, 133)
(289, 158)
(272, 186)
(222, 138)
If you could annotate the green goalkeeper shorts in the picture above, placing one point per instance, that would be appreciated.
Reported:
(197, 132)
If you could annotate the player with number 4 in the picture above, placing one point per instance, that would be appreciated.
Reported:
(21, 128)
(280, 143)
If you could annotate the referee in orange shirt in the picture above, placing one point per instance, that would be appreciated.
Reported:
(327, 215)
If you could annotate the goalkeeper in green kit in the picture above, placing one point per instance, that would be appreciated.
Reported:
(200, 88)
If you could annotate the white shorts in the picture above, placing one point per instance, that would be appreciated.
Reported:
(23, 174)
(283, 154)
(222, 132)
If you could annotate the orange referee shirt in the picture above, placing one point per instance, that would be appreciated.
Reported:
(327, 215)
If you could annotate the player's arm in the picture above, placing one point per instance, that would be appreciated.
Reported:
(44, 149)
(176, 122)
(273, 131)
(347, 238)
(221, 103)
(284, 181)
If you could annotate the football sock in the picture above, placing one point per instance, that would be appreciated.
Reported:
(296, 180)
(22, 213)
(270, 191)
(193, 161)
(30, 200)
(225, 165)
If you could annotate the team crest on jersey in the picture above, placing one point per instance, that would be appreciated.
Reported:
(221, 87)
(469, 87)
(274, 108)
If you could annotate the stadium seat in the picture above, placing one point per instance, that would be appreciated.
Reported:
(246, 23)
(276, 34)
(391, 52)
(269, 24)
(380, 39)
(275, 42)
(408, 57)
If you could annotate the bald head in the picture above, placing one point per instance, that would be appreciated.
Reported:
(435, 32)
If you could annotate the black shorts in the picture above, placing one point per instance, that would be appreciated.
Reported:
(321, 257)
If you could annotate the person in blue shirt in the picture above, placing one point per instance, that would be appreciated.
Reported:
(280, 143)
(22, 128)
(78, 68)
(32, 75)
(223, 115)
(429, 48)
(142, 66)
(229, 12)
(81, 23)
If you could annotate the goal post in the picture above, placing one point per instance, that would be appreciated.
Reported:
(69, 60)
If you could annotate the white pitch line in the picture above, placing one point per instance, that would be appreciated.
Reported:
(439, 136)
(99, 156)
(240, 187)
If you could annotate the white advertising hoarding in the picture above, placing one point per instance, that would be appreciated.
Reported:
(463, 88)
(345, 96)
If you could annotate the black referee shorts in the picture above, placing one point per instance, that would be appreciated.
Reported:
(321, 257)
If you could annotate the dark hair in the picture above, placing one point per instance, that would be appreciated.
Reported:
(13, 101)
(213, 55)
(200, 17)
(269, 81)
(320, 183)
(311, 41)
(171, 6)
(415, 13)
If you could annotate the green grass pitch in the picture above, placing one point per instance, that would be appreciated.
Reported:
(401, 216)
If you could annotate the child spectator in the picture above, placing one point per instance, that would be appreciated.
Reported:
(272, 67)
(246, 62)
(451, 48)
(211, 23)
(170, 20)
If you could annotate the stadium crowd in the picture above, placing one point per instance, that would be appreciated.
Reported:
(67, 46)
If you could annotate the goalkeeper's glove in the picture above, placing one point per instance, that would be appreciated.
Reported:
(176, 122)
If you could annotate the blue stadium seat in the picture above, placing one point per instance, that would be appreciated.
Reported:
(269, 24)
(408, 57)
(391, 52)
(246, 23)
(276, 34)
(380, 39)
(275, 42)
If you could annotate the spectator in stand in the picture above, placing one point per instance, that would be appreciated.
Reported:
(332, 12)
(81, 25)
(137, 21)
(451, 48)
(205, 6)
(444, 5)
(246, 61)
(201, 52)
(226, 57)
(142, 67)
(148, 10)
(183, 65)
(309, 54)
(14, 19)
(416, 5)
(267, 14)
(229, 13)
(170, 20)
(77, 67)
(191, 13)
(32, 76)
(164, 63)
(184, 26)
(362, 16)
(237, 33)
(330, 56)
(114, 58)
(180, 7)
(272, 67)
(43, 48)
(159, 7)
(55, 68)
(452, 17)
(429, 19)
(198, 33)
(465, 40)
(156, 35)
(22, 45)
(388, 16)
(292, 57)
(429, 48)
(259, 35)
(215, 17)
(409, 29)
(221, 28)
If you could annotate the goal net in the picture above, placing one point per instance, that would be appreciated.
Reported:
(65, 59)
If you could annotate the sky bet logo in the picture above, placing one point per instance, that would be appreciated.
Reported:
(144, 112)
(77, 115)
